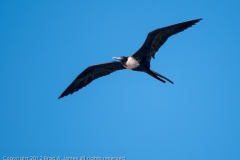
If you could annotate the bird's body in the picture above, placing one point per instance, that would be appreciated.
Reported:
(131, 63)
(139, 61)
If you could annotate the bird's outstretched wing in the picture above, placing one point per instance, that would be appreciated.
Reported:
(91, 73)
(158, 37)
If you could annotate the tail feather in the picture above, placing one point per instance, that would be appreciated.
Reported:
(157, 75)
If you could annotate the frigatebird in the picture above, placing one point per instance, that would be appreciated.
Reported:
(139, 61)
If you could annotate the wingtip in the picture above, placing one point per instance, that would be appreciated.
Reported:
(197, 20)
(193, 22)
(61, 96)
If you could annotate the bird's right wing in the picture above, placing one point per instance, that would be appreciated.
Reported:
(91, 73)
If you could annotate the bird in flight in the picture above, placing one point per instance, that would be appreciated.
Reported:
(139, 61)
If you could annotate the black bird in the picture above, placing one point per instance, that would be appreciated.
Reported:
(139, 61)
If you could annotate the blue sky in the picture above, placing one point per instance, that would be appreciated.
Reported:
(44, 45)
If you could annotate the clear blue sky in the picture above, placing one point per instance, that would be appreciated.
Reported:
(44, 45)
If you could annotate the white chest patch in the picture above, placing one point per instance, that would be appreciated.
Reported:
(131, 63)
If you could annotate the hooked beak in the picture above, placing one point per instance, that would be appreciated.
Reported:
(117, 58)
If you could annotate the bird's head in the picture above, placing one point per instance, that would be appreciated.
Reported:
(122, 59)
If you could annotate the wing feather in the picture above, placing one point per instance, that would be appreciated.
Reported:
(91, 73)
(158, 37)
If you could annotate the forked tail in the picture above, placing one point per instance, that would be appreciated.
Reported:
(158, 76)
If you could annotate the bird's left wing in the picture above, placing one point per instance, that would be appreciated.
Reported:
(91, 73)
(158, 37)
